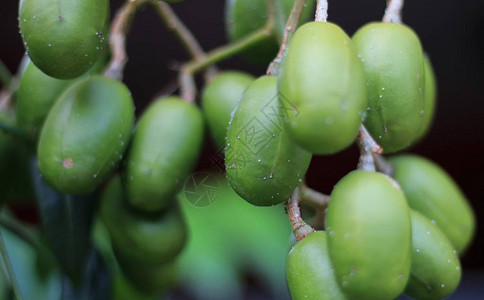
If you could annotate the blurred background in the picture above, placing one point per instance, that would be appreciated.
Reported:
(451, 34)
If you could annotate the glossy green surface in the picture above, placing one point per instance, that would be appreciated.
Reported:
(369, 236)
(219, 99)
(143, 238)
(309, 272)
(432, 192)
(393, 62)
(243, 17)
(435, 271)
(430, 97)
(324, 94)
(263, 164)
(36, 94)
(64, 38)
(85, 135)
(164, 151)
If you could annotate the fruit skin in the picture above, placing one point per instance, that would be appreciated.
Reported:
(36, 94)
(143, 238)
(85, 135)
(64, 38)
(430, 97)
(165, 148)
(432, 192)
(435, 271)
(219, 99)
(369, 236)
(243, 17)
(309, 272)
(326, 93)
(393, 62)
(263, 164)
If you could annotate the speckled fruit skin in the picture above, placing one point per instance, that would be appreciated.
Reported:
(219, 99)
(165, 148)
(435, 271)
(85, 135)
(36, 94)
(263, 164)
(143, 238)
(309, 272)
(393, 61)
(432, 192)
(369, 236)
(243, 17)
(64, 38)
(323, 79)
(430, 97)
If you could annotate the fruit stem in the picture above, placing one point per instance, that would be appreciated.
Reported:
(393, 12)
(6, 77)
(8, 266)
(368, 147)
(299, 227)
(187, 82)
(321, 11)
(382, 165)
(312, 198)
(289, 30)
(117, 38)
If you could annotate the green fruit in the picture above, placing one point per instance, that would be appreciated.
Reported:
(219, 99)
(85, 135)
(432, 192)
(369, 236)
(435, 271)
(393, 61)
(64, 38)
(430, 97)
(263, 165)
(36, 94)
(322, 85)
(309, 272)
(143, 238)
(243, 17)
(164, 150)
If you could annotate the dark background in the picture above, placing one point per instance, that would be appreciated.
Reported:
(450, 31)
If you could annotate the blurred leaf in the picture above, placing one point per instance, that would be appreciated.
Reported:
(232, 237)
(66, 221)
(96, 282)
(23, 259)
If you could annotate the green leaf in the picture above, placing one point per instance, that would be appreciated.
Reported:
(66, 221)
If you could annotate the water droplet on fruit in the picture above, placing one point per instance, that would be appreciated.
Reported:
(418, 250)
(94, 176)
(442, 285)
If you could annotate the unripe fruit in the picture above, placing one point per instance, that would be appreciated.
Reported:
(64, 38)
(435, 271)
(263, 164)
(219, 99)
(393, 61)
(243, 17)
(143, 238)
(309, 272)
(165, 148)
(36, 94)
(369, 236)
(432, 192)
(430, 97)
(322, 86)
(85, 135)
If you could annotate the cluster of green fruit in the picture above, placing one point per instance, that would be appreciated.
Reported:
(82, 124)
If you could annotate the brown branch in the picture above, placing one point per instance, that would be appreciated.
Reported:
(299, 227)
(117, 38)
(289, 30)
(393, 11)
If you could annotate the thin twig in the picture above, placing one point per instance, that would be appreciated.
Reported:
(368, 146)
(382, 165)
(299, 227)
(393, 12)
(6, 77)
(289, 30)
(312, 198)
(117, 38)
(9, 267)
(321, 11)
